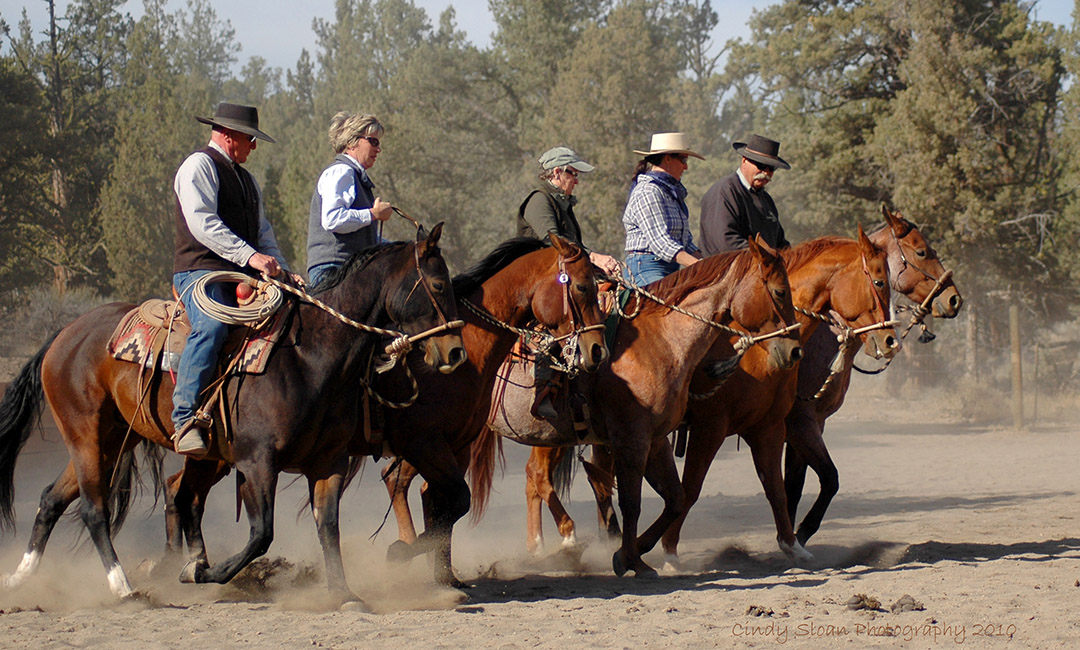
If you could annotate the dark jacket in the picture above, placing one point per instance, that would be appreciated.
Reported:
(731, 214)
(544, 211)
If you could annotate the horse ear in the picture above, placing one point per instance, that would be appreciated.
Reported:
(766, 255)
(560, 244)
(865, 245)
(895, 221)
(428, 241)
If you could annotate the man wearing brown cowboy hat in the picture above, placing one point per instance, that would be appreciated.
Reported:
(220, 226)
(737, 207)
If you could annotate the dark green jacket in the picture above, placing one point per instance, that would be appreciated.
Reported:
(544, 211)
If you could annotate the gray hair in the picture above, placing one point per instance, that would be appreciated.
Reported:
(346, 129)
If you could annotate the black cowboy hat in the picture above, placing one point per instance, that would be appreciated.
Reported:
(237, 117)
(761, 150)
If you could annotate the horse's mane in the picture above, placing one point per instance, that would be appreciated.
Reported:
(675, 287)
(796, 256)
(359, 260)
(506, 252)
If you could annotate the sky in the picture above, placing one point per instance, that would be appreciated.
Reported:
(277, 30)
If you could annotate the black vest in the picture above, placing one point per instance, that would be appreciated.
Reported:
(238, 208)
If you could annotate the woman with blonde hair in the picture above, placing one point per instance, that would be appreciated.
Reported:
(345, 215)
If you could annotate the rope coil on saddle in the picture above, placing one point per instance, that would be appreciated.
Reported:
(266, 299)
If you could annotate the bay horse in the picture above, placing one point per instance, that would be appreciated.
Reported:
(298, 416)
(917, 273)
(643, 393)
(842, 280)
(521, 281)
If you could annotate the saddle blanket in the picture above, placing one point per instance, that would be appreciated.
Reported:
(143, 336)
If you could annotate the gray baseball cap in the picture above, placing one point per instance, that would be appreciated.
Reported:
(563, 157)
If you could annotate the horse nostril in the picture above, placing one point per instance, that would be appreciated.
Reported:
(597, 353)
(796, 354)
(891, 343)
(458, 356)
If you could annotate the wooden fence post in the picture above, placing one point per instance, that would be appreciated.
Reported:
(1017, 375)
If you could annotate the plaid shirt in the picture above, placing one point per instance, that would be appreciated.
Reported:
(656, 218)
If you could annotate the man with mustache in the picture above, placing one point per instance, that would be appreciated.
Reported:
(737, 207)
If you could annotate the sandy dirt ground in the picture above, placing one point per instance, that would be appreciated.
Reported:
(975, 528)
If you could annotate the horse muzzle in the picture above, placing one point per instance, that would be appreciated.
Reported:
(445, 353)
(592, 352)
(785, 353)
(882, 344)
(948, 303)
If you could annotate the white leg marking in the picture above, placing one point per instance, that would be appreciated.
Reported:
(118, 582)
(29, 564)
(570, 540)
(671, 562)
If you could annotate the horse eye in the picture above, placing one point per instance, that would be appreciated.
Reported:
(920, 253)
(879, 283)
(581, 287)
(437, 287)
(779, 293)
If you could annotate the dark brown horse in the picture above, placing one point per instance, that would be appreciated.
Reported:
(521, 281)
(844, 279)
(643, 394)
(299, 416)
(916, 273)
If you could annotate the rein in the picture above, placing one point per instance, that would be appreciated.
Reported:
(745, 342)
(918, 314)
(847, 337)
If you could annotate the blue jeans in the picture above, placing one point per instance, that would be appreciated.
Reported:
(203, 345)
(646, 268)
(317, 274)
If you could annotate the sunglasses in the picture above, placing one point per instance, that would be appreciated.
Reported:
(374, 141)
(570, 171)
(765, 168)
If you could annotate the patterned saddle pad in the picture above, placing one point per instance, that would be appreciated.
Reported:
(143, 336)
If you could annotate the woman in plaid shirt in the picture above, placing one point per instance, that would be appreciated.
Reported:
(657, 222)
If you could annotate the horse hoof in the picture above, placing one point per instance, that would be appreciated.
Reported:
(193, 571)
(798, 555)
(617, 564)
(671, 563)
(452, 582)
(646, 571)
(355, 605)
(399, 552)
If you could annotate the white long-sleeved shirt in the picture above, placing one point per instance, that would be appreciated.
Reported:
(337, 189)
(196, 187)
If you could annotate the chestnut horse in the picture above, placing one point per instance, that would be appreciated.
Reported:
(827, 273)
(839, 279)
(298, 416)
(916, 273)
(521, 281)
(643, 394)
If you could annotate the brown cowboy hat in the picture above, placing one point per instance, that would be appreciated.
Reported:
(674, 143)
(761, 150)
(237, 117)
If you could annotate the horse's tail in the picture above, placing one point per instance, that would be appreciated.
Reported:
(20, 411)
(562, 477)
(482, 461)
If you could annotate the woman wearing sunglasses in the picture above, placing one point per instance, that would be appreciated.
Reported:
(345, 214)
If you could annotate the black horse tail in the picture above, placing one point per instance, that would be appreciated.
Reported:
(562, 476)
(20, 412)
(128, 484)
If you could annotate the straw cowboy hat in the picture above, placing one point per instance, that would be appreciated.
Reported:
(237, 117)
(669, 143)
(761, 150)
